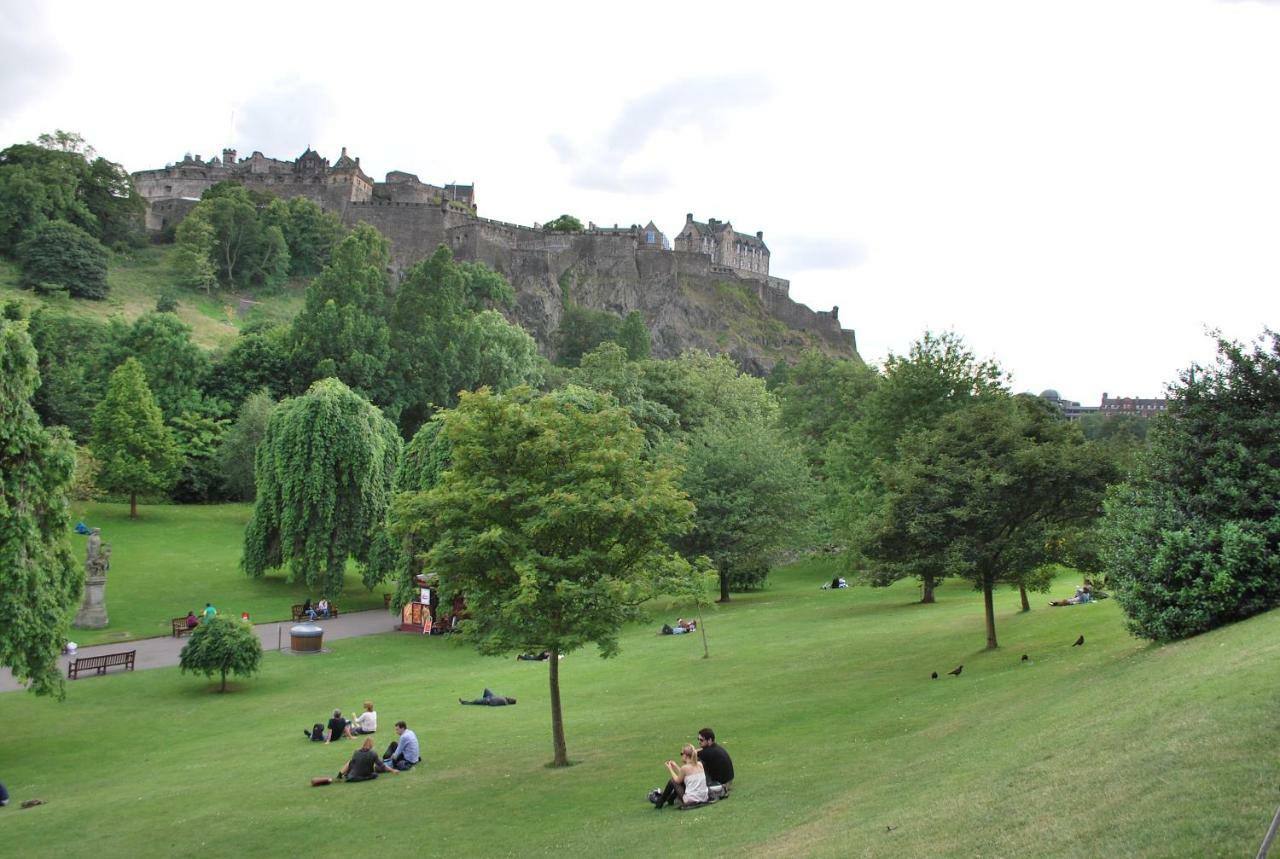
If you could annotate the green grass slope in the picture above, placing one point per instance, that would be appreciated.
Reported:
(174, 559)
(843, 745)
(136, 280)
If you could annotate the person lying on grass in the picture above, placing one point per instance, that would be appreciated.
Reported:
(364, 765)
(488, 699)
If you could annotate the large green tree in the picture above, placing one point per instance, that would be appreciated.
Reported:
(39, 581)
(73, 368)
(754, 494)
(240, 445)
(550, 521)
(323, 473)
(58, 256)
(60, 179)
(446, 337)
(342, 329)
(222, 645)
(1192, 541)
(982, 496)
(176, 368)
(136, 450)
(233, 234)
(310, 233)
(939, 375)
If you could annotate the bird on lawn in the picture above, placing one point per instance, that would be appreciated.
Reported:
(1024, 657)
(1079, 641)
(934, 675)
(956, 673)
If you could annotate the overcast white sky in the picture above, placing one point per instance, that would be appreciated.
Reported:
(1080, 189)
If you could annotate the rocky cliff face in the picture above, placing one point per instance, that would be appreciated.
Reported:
(685, 301)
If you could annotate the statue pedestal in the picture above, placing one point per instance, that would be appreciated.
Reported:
(93, 611)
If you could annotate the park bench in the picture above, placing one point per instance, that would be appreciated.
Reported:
(180, 627)
(100, 664)
(299, 615)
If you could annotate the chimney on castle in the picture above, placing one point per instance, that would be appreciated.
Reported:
(228, 156)
(688, 218)
(760, 235)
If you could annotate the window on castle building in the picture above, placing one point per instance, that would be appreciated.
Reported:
(648, 237)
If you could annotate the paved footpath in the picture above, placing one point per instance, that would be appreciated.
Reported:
(163, 652)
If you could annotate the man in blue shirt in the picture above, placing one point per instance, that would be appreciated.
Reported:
(403, 753)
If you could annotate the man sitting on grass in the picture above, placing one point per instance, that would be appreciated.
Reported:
(403, 753)
(364, 765)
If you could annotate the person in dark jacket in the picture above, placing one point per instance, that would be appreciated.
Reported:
(488, 699)
(364, 764)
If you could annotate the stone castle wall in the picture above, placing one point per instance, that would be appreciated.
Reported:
(606, 269)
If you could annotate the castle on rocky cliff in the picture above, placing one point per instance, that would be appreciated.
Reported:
(613, 263)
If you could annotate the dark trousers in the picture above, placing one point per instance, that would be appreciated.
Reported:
(670, 794)
(390, 761)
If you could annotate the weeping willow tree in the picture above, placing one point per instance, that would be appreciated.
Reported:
(323, 470)
(39, 581)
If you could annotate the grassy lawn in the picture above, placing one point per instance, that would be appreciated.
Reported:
(842, 743)
(174, 559)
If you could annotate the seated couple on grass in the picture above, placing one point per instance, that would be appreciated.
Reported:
(682, 626)
(702, 776)
(365, 723)
(1083, 596)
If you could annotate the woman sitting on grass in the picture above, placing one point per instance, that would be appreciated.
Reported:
(365, 723)
(364, 765)
(688, 784)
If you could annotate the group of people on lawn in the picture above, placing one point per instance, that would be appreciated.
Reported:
(403, 753)
(703, 774)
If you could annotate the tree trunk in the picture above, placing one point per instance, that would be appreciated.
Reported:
(987, 587)
(1022, 591)
(724, 587)
(926, 593)
(133, 505)
(557, 720)
(224, 681)
(706, 652)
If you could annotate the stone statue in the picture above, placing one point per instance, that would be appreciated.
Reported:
(93, 611)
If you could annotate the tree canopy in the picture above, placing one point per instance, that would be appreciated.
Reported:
(323, 473)
(981, 496)
(550, 521)
(1192, 541)
(59, 179)
(563, 224)
(39, 581)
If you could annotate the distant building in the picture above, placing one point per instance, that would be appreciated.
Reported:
(745, 254)
(1071, 410)
(1112, 406)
